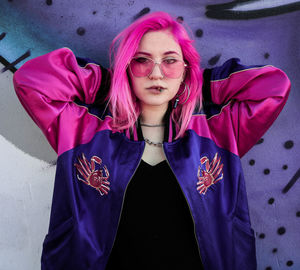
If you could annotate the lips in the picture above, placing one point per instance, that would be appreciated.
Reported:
(156, 87)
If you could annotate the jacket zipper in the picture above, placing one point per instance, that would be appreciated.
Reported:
(187, 205)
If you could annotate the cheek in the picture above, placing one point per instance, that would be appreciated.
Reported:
(136, 86)
(175, 87)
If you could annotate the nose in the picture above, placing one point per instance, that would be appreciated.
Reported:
(156, 73)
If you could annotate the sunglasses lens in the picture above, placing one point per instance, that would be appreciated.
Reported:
(172, 68)
(141, 67)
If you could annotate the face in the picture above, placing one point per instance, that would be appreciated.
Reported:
(157, 89)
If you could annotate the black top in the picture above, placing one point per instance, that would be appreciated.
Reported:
(156, 230)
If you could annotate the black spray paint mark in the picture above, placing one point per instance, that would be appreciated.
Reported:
(49, 2)
(11, 66)
(143, 12)
(271, 201)
(5, 63)
(199, 33)
(180, 19)
(281, 230)
(214, 60)
(251, 162)
(289, 144)
(291, 182)
(260, 141)
(285, 167)
(80, 31)
(2, 36)
(225, 12)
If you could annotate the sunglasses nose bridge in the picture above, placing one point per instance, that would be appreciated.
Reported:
(154, 73)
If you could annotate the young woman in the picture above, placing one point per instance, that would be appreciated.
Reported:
(148, 171)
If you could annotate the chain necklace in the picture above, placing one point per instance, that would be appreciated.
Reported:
(157, 144)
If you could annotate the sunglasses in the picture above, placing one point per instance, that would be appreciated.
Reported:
(170, 67)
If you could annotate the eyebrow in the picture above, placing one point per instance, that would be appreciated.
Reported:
(165, 53)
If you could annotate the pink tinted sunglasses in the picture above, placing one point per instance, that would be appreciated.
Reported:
(170, 67)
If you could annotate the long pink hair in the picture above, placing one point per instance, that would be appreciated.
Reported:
(124, 106)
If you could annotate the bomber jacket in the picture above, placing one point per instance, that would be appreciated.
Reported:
(63, 96)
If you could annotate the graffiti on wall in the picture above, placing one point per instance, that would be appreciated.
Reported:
(258, 32)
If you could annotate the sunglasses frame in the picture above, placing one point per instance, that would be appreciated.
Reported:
(159, 65)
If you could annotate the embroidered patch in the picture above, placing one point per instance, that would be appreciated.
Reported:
(209, 173)
(93, 176)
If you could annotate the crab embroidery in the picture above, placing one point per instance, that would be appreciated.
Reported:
(91, 176)
(209, 173)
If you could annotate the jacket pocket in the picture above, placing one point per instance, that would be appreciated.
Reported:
(58, 238)
(244, 226)
(244, 245)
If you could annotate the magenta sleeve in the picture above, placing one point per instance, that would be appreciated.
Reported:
(252, 98)
(49, 84)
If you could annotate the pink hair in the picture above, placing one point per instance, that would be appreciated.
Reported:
(123, 103)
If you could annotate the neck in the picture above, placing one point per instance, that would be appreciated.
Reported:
(153, 115)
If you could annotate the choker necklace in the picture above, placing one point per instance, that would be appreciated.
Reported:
(148, 125)
(157, 144)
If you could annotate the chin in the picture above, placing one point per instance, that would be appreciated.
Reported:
(155, 102)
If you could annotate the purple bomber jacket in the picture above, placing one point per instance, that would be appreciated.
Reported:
(62, 94)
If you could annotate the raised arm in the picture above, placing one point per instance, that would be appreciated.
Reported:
(49, 84)
(249, 97)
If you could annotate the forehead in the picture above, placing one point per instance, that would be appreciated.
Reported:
(159, 42)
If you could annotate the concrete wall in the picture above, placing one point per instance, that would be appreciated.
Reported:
(258, 32)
